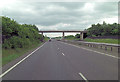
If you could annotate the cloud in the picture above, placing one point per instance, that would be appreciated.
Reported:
(61, 15)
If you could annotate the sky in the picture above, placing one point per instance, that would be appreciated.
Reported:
(64, 15)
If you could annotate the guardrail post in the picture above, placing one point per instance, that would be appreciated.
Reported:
(111, 48)
(105, 48)
(96, 46)
(118, 49)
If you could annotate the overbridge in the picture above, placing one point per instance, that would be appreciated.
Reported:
(63, 33)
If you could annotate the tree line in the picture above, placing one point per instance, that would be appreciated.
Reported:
(103, 29)
(15, 35)
(97, 30)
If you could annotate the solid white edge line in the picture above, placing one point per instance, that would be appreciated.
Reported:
(83, 77)
(3, 74)
(63, 54)
(93, 51)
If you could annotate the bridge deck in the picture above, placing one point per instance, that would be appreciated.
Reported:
(61, 31)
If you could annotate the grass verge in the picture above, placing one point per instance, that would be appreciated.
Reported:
(72, 38)
(9, 55)
(112, 41)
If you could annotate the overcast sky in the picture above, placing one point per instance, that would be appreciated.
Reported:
(61, 15)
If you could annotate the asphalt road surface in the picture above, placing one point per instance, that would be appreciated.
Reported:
(56, 60)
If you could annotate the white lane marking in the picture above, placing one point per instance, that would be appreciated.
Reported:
(93, 51)
(63, 54)
(83, 77)
(3, 74)
(58, 48)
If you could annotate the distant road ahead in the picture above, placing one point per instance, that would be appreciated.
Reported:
(56, 60)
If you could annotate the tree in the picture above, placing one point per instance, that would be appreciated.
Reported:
(77, 36)
(103, 29)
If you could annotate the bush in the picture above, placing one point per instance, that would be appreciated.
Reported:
(104, 29)
(93, 35)
(6, 44)
(15, 42)
(77, 36)
(25, 42)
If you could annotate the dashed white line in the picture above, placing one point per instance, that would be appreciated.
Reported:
(83, 77)
(58, 48)
(3, 74)
(93, 51)
(63, 54)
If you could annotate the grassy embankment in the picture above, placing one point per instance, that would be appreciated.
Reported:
(9, 55)
(112, 41)
(72, 38)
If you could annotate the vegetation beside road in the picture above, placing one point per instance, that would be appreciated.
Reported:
(103, 29)
(112, 41)
(98, 30)
(71, 37)
(12, 54)
(16, 35)
(18, 39)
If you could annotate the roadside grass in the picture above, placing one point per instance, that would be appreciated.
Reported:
(9, 55)
(72, 38)
(46, 39)
(112, 41)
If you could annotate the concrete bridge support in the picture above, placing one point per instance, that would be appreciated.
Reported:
(81, 35)
(42, 33)
(63, 35)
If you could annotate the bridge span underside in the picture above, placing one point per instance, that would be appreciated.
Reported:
(63, 33)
